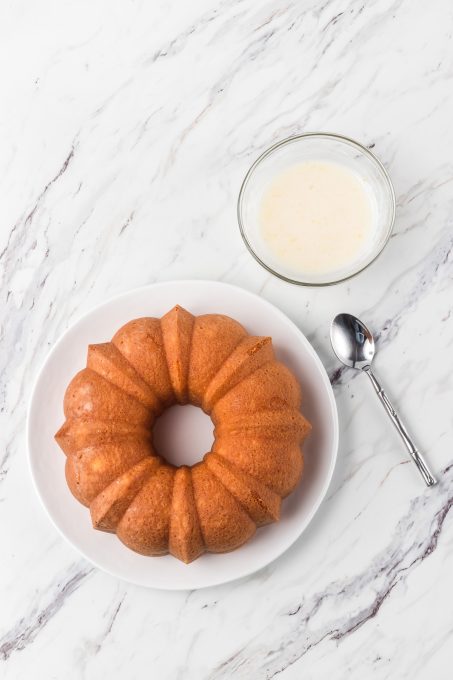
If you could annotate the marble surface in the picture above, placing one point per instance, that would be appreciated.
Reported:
(125, 131)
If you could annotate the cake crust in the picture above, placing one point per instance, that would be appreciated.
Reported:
(256, 458)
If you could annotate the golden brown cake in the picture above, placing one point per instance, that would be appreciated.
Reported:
(110, 407)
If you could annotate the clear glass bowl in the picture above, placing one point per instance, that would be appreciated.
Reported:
(319, 146)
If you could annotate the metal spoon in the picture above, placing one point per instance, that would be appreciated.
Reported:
(353, 344)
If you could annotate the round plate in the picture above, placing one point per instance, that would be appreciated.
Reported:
(46, 416)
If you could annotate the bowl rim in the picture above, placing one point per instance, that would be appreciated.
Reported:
(289, 140)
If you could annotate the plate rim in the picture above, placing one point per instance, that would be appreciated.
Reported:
(333, 412)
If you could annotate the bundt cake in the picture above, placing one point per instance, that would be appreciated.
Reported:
(255, 461)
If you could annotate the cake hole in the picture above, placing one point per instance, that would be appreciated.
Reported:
(183, 434)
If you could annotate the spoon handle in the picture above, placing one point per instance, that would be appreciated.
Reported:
(394, 417)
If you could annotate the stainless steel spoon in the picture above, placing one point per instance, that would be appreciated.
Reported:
(353, 344)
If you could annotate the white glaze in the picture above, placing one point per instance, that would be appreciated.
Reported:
(127, 129)
(317, 217)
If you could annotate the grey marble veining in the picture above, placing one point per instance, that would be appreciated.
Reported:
(125, 132)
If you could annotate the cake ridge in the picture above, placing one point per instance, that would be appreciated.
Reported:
(184, 516)
(128, 394)
(86, 392)
(228, 491)
(108, 430)
(279, 391)
(279, 469)
(137, 335)
(145, 526)
(85, 483)
(266, 511)
(189, 355)
(239, 381)
(147, 383)
(225, 360)
(240, 425)
(243, 525)
(122, 388)
(233, 347)
(155, 461)
(180, 393)
(236, 469)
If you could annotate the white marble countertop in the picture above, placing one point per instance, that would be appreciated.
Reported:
(125, 131)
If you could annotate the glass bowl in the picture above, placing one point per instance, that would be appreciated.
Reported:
(316, 146)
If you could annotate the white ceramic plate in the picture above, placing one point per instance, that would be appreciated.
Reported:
(46, 416)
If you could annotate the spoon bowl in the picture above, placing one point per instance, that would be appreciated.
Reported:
(352, 342)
